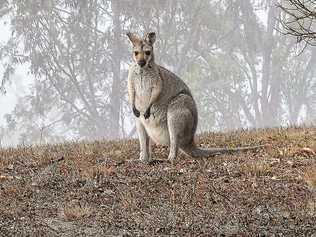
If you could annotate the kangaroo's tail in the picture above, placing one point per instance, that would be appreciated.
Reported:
(199, 152)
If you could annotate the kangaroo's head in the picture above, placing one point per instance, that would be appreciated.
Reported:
(143, 52)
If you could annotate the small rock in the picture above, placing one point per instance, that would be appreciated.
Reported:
(34, 184)
(181, 171)
(290, 162)
(107, 191)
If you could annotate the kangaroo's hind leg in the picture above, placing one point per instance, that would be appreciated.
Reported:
(144, 142)
(181, 124)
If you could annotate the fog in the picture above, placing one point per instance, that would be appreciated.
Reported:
(64, 66)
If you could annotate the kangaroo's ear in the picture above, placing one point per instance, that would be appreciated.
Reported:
(150, 37)
(133, 38)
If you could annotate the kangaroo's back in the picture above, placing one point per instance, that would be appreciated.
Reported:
(172, 85)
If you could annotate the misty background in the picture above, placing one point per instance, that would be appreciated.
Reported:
(64, 63)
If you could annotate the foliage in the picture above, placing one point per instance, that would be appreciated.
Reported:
(242, 71)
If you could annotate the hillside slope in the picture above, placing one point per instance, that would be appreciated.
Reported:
(89, 189)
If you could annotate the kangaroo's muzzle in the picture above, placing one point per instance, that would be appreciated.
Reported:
(141, 63)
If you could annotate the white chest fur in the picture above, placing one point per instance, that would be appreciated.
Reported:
(144, 81)
(156, 129)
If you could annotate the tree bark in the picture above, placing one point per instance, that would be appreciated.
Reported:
(267, 115)
(116, 89)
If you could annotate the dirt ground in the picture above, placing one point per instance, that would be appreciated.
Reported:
(90, 189)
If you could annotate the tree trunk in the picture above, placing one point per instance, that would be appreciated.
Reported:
(267, 115)
(115, 101)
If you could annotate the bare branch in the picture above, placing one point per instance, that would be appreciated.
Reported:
(299, 20)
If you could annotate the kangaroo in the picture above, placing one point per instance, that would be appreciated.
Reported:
(163, 105)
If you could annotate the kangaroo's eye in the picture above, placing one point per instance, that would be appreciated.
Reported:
(147, 52)
(136, 53)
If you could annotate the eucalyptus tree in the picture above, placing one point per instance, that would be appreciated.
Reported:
(263, 81)
(242, 71)
(78, 54)
(73, 49)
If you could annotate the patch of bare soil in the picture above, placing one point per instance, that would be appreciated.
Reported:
(89, 189)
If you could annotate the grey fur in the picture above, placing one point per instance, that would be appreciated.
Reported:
(173, 114)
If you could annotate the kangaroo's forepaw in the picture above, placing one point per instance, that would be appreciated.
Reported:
(136, 112)
(147, 113)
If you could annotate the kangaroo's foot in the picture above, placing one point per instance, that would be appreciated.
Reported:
(145, 158)
(172, 157)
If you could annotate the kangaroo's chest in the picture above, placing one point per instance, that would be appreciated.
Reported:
(144, 83)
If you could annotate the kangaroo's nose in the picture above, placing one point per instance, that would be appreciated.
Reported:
(141, 63)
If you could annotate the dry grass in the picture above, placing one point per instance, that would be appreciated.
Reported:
(257, 169)
(88, 189)
(310, 177)
(73, 212)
